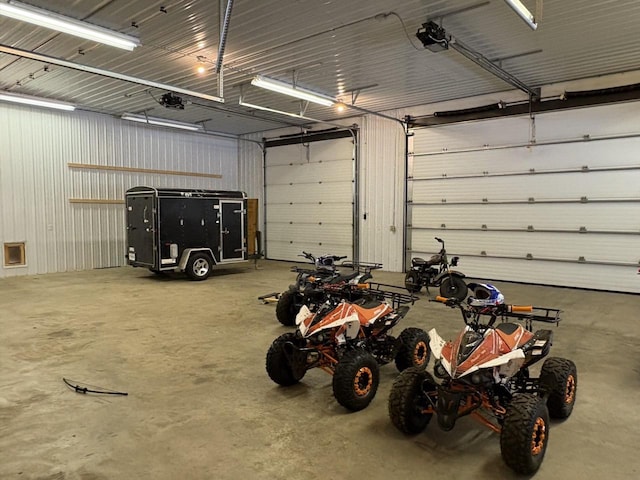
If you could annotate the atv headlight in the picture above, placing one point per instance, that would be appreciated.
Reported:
(439, 371)
(318, 338)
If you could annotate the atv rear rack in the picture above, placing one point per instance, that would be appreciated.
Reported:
(396, 294)
(536, 314)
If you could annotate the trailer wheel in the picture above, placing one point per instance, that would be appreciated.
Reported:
(199, 266)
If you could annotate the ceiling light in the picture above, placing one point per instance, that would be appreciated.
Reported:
(61, 23)
(524, 13)
(162, 122)
(38, 102)
(340, 107)
(292, 90)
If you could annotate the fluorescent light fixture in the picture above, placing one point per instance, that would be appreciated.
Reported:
(288, 114)
(36, 101)
(72, 26)
(524, 12)
(162, 122)
(292, 90)
(273, 110)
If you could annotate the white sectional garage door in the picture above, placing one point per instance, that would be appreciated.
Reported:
(565, 211)
(309, 198)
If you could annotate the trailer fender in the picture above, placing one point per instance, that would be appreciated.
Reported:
(187, 253)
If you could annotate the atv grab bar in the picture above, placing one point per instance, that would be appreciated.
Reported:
(526, 313)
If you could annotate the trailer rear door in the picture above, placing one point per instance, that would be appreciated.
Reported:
(232, 230)
(141, 246)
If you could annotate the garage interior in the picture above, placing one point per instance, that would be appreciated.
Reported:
(513, 137)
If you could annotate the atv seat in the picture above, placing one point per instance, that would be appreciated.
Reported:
(508, 328)
(344, 278)
(367, 303)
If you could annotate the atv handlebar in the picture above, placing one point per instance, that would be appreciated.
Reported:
(504, 307)
(519, 308)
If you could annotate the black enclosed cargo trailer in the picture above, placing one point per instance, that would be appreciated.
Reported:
(170, 229)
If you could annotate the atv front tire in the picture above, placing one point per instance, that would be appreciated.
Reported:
(407, 400)
(355, 380)
(413, 349)
(559, 379)
(278, 366)
(287, 308)
(453, 287)
(412, 281)
(525, 433)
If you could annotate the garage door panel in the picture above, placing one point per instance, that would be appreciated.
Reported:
(312, 233)
(570, 186)
(574, 156)
(314, 172)
(556, 246)
(503, 131)
(341, 149)
(625, 217)
(279, 250)
(600, 277)
(286, 154)
(312, 213)
(300, 194)
(596, 121)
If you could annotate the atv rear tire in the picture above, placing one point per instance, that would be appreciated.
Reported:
(412, 281)
(413, 349)
(453, 287)
(559, 379)
(356, 379)
(287, 308)
(407, 400)
(278, 366)
(525, 433)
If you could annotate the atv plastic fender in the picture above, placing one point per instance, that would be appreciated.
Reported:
(303, 313)
(436, 343)
(497, 362)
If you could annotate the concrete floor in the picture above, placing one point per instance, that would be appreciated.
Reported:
(201, 406)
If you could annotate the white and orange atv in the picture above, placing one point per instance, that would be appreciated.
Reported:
(484, 372)
(350, 340)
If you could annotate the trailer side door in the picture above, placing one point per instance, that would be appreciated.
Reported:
(232, 233)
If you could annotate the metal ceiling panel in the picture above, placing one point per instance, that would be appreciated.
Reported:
(331, 49)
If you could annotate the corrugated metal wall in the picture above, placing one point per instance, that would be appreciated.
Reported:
(251, 172)
(382, 173)
(36, 183)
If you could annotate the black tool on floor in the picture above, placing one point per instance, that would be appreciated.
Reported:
(103, 391)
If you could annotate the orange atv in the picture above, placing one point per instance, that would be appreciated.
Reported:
(349, 340)
(484, 372)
